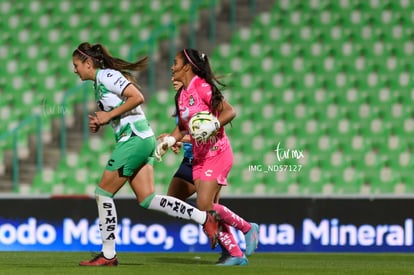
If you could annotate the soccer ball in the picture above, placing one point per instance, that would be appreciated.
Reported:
(200, 118)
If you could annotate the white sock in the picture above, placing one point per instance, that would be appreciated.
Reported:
(107, 224)
(175, 208)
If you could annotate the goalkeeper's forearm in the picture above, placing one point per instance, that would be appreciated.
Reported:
(177, 134)
(186, 139)
(227, 113)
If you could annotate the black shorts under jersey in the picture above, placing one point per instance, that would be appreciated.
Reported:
(185, 171)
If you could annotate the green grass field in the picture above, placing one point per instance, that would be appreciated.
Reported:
(203, 263)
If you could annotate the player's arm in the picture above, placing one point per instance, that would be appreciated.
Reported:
(176, 147)
(167, 142)
(133, 98)
(226, 113)
(186, 138)
(176, 135)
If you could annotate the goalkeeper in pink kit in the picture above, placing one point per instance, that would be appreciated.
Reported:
(213, 156)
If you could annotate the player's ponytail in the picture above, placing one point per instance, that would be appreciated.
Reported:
(200, 65)
(102, 59)
(177, 110)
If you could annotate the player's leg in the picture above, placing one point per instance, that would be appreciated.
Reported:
(142, 183)
(182, 184)
(110, 183)
(236, 256)
(250, 230)
(218, 168)
(123, 163)
(180, 189)
(206, 194)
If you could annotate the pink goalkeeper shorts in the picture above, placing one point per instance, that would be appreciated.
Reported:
(215, 167)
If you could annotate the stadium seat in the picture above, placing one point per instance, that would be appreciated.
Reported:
(329, 76)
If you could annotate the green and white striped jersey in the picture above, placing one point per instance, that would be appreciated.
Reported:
(109, 86)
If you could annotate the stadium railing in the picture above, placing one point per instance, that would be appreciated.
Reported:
(63, 125)
(14, 135)
(150, 45)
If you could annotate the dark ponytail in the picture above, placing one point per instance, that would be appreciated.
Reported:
(201, 67)
(102, 59)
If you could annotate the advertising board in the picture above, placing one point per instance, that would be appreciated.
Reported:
(286, 224)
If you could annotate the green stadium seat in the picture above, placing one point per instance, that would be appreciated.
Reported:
(285, 6)
(277, 182)
(333, 78)
(348, 181)
(44, 182)
(312, 181)
(386, 181)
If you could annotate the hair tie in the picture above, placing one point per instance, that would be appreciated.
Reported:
(189, 59)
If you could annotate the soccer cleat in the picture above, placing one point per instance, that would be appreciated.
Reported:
(212, 228)
(234, 261)
(100, 260)
(223, 256)
(252, 239)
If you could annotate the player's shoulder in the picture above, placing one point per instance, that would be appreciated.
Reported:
(202, 86)
(107, 74)
(200, 82)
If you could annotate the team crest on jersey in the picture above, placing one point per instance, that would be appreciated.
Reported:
(191, 100)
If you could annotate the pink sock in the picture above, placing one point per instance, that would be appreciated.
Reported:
(231, 218)
(228, 242)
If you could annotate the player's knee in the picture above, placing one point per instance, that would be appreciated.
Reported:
(204, 204)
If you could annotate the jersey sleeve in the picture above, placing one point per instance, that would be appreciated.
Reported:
(114, 81)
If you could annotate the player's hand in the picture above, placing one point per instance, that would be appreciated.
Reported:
(163, 145)
(93, 124)
(103, 117)
(176, 147)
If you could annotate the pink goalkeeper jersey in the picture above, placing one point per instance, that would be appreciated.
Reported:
(194, 99)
